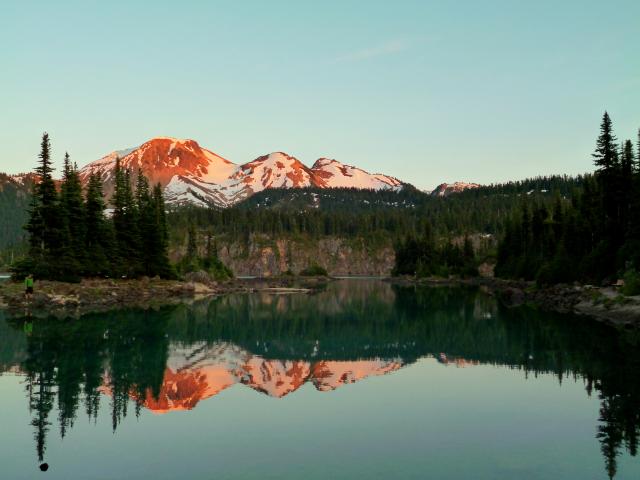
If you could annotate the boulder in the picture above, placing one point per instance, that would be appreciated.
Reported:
(198, 277)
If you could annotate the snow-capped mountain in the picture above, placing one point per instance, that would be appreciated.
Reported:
(333, 174)
(192, 174)
(183, 164)
(446, 189)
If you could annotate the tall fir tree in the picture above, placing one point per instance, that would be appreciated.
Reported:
(152, 228)
(596, 238)
(608, 173)
(44, 225)
(160, 247)
(127, 260)
(71, 209)
(99, 246)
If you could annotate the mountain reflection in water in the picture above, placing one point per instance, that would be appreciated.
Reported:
(174, 358)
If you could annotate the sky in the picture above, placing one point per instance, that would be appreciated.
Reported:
(427, 91)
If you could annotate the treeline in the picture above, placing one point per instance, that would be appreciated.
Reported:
(592, 238)
(14, 200)
(70, 236)
(423, 257)
(563, 185)
(351, 213)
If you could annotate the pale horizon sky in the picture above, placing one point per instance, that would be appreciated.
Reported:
(427, 91)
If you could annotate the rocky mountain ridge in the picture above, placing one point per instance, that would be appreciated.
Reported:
(192, 174)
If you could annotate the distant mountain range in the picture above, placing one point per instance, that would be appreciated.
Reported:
(195, 175)
(191, 174)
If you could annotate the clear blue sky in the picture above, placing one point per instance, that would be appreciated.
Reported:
(426, 91)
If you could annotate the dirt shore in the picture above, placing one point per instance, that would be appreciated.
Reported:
(97, 295)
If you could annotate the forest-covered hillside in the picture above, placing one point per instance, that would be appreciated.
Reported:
(14, 204)
(376, 220)
(353, 213)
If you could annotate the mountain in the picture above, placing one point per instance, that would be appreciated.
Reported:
(192, 174)
(333, 174)
(186, 171)
(446, 189)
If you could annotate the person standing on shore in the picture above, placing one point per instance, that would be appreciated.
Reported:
(28, 287)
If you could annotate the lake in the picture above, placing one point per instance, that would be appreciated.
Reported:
(361, 380)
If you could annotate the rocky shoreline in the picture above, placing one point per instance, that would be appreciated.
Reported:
(61, 299)
(604, 304)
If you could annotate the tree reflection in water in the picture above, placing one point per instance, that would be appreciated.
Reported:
(351, 330)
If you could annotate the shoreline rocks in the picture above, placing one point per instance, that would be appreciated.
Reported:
(99, 295)
(604, 304)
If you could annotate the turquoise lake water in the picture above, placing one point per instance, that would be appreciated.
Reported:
(362, 380)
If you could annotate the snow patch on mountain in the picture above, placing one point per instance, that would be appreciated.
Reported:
(192, 174)
(335, 174)
(446, 189)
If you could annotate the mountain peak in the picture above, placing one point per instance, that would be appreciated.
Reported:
(187, 142)
(323, 161)
(335, 174)
(190, 173)
(172, 139)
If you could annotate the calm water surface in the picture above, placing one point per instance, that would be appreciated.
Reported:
(362, 380)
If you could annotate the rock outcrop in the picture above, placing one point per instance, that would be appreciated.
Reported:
(264, 257)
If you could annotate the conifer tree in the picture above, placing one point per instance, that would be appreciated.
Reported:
(121, 251)
(147, 228)
(44, 224)
(125, 225)
(99, 243)
(192, 250)
(608, 173)
(159, 251)
(131, 229)
(625, 192)
(161, 214)
(71, 209)
(35, 226)
(152, 228)
(606, 156)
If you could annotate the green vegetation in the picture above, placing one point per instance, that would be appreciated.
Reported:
(209, 263)
(593, 237)
(70, 237)
(314, 271)
(14, 202)
(423, 257)
(631, 283)
(353, 213)
(374, 219)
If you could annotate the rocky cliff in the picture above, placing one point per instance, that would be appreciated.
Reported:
(263, 256)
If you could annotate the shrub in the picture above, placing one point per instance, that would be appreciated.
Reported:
(213, 266)
(631, 283)
(314, 270)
